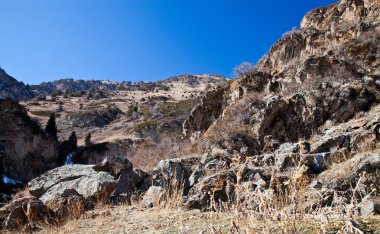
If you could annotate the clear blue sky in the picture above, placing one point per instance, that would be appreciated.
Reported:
(44, 40)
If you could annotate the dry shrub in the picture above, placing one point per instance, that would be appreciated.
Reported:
(147, 155)
(172, 195)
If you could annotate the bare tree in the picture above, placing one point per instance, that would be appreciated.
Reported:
(243, 69)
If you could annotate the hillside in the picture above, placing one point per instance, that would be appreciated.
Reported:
(292, 147)
(121, 115)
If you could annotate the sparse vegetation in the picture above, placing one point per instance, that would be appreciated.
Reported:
(87, 139)
(42, 113)
(178, 108)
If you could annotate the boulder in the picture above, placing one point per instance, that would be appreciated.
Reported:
(94, 186)
(23, 211)
(114, 165)
(128, 180)
(152, 197)
(328, 142)
(69, 204)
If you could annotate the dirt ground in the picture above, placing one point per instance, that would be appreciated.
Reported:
(129, 219)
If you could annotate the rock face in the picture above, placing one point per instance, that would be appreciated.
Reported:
(94, 118)
(25, 150)
(205, 114)
(11, 88)
(79, 180)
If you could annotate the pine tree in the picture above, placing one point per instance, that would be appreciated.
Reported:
(51, 127)
(87, 139)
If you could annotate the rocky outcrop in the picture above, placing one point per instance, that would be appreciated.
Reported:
(203, 115)
(11, 88)
(93, 118)
(25, 150)
(67, 192)
(333, 161)
(129, 180)
(325, 72)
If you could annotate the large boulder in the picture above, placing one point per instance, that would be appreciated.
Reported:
(94, 186)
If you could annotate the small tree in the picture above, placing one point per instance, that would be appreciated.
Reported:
(87, 139)
(51, 127)
(243, 69)
(73, 141)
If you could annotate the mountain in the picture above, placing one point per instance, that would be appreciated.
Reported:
(72, 85)
(11, 88)
(291, 147)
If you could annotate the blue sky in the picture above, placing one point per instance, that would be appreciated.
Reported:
(139, 40)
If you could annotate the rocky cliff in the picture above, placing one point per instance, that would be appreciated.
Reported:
(25, 150)
(326, 72)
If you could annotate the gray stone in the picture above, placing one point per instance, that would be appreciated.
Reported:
(370, 207)
(195, 176)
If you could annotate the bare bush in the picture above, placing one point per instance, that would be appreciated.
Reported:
(243, 69)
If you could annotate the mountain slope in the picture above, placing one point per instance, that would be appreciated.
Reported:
(11, 88)
(325, 72)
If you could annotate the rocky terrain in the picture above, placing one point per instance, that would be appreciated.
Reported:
(292, 147)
